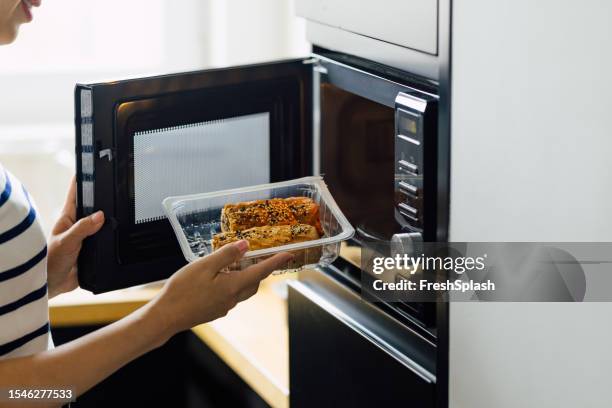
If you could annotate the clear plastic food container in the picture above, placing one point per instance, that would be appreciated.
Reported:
(197, 217)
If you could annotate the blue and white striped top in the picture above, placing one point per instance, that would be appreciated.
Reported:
(24, 314)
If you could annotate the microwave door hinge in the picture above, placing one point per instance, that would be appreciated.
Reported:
(316, 65)
(109, 153)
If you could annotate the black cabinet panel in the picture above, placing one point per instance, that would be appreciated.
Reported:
(183, 373)
(333, 365)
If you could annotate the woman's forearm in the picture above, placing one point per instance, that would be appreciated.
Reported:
(86, 361)
(195, 294)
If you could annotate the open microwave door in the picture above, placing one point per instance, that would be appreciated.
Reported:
(141, 140)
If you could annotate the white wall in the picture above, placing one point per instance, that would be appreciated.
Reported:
(249, 31)
(87, 40)
(531, 161)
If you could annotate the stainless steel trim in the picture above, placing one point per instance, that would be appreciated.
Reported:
(366, 84)
(316, 118)
(346, 318)
(323, 59)
(320, 68)
(411, 102)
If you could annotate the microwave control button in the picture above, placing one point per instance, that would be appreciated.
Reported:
(410, 213)
(409, 243)
(409, 139)
(415, 220)
(408, 167)
(409, 209)
(408, 188)
(411, 204)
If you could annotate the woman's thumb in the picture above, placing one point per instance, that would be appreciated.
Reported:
(85, 227)
(225, 256)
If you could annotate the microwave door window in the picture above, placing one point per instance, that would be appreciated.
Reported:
(202, 141)
(357, 142)
(198, 157)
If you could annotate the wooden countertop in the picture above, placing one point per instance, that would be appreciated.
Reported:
(253, 339)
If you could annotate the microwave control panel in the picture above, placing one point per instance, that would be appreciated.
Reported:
(415, 140)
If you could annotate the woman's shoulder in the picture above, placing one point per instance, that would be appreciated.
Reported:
(21, 236)
(15, 205)
(22, 240)
(23, 278)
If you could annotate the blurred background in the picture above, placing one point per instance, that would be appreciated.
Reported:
(73, 41)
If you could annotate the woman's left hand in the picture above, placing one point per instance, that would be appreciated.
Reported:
(65, 243)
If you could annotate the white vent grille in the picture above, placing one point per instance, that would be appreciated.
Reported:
(197, 158)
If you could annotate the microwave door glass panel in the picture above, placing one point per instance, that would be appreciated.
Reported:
(357, 146)
(199, 157)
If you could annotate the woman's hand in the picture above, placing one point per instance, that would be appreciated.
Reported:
(200, 292)
(65, 243)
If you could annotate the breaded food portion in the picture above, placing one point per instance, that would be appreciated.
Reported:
(306, 211)
(273, 212)
(267, 236)
(249, 214)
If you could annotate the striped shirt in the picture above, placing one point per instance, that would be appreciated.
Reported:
(24, 314)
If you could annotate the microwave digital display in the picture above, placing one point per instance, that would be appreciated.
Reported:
(407, 125)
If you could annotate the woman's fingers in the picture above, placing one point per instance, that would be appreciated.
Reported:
(68, 215)
(255, 273)
(84, 228)
(197, 293)
(224, 256)
(69, 209)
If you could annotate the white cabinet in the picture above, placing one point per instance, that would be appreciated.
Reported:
(407, 23)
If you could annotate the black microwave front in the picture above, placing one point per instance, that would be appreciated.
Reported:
(139, 141)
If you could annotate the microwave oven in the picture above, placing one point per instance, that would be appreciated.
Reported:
(369, 129)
